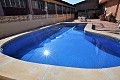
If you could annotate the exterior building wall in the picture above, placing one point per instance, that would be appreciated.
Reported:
(85, 5)
(118, 13)
(112, 6)
(35, 7)
(88, 8)
(33, 15)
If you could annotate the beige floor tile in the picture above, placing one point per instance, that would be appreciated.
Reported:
(23, 71)
(62, 73)
(113, 73)
(4, 59)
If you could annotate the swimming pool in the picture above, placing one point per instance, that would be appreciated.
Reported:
(66, 46)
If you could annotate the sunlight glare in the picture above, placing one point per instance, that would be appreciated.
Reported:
(46, 53)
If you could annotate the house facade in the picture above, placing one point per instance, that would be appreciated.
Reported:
(25, 15)
(112, 6)
(88, 8)
(35, 7)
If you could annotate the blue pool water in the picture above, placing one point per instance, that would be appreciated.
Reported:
(70, 47)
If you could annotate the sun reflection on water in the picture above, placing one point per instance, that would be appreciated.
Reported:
(46, 53)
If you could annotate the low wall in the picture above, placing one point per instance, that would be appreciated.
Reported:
(10, 25)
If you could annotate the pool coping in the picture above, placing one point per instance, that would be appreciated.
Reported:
(11, 68)
(89, 29)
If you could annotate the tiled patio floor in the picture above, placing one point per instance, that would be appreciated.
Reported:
(104, 26)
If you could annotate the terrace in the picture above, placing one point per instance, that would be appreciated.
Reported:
(104, 26)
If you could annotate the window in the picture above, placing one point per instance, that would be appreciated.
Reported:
(23, 3)
(3, 3)
(73, 10)
(59, 8)
(7, 3)
(41, 5)
(68, 10)
(51, 6)
(35, 5)
(13, 3)
(64, 8)
(17, 3)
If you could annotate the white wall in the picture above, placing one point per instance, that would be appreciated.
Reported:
(7, 29)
